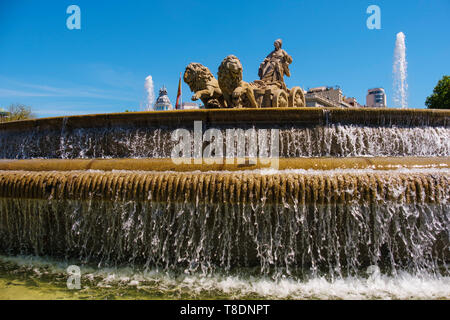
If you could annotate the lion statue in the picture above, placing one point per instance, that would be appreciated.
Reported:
(201, 81)
(237, 93)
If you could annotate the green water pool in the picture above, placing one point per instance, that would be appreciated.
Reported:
(39, 278)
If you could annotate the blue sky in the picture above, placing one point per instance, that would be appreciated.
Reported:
(102, 67)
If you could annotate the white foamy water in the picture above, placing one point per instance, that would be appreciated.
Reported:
(150, 93)
(320, 141)
(399, 70)
(436, 169)
(337, 222)
(373, 286)
(441, 168)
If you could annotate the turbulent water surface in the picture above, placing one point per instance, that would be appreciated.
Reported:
(31, 277)
(294, 229)
(277, 234)
(319, 141)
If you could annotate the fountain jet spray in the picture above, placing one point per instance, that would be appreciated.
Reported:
(150, 93)
(399, 70)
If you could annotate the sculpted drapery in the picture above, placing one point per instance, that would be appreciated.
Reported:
(276, 65)
(231, 91)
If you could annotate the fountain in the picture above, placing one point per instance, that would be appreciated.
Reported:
(150, 93)
(399, 70)
(354, 188)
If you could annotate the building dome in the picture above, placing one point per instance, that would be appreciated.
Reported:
(163, 101)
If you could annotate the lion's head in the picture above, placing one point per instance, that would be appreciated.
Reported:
(230, 74)
(197, 76)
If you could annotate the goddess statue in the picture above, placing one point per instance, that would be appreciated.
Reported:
(276, 65)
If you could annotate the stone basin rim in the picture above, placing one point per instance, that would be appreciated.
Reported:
(299, 116)
(166, 164)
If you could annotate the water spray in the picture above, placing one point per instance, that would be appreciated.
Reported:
(399, 71)
(150, 93)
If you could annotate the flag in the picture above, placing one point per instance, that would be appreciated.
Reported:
(177, 105)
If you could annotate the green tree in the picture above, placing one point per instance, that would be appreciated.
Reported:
(440, 99)
(17, 111)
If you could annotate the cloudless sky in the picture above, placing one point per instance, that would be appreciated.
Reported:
(102, 67)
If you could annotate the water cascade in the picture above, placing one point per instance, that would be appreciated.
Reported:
(111, 195)
(311, 133)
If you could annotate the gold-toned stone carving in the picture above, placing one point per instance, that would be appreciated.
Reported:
(275, 66)
(231, 91)
(206, 88)
(237, 93)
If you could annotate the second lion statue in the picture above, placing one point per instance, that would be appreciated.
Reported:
(237, 93)
(230, 91)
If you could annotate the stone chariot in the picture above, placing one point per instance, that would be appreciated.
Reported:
(230, 91)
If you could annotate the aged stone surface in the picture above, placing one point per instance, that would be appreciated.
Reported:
(231, 91)
(206, 88)
(229, 187)
(275, 66)
(167, 164)
(219, 220)
(237, 93)
(271, 90)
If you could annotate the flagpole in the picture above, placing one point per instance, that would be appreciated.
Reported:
(181, 91)
(177, 104)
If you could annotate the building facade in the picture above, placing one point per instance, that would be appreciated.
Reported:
(163, 101)
(326, 97)
(353, 102)
(376, 98)
(189, 106)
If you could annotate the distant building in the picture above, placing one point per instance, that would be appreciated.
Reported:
(328, 97)
(189, 106)
(376, 98)
(352, 101)
(3, 114)
(163, 101)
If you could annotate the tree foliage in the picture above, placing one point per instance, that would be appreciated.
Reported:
(440, 99)
(18, 111)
